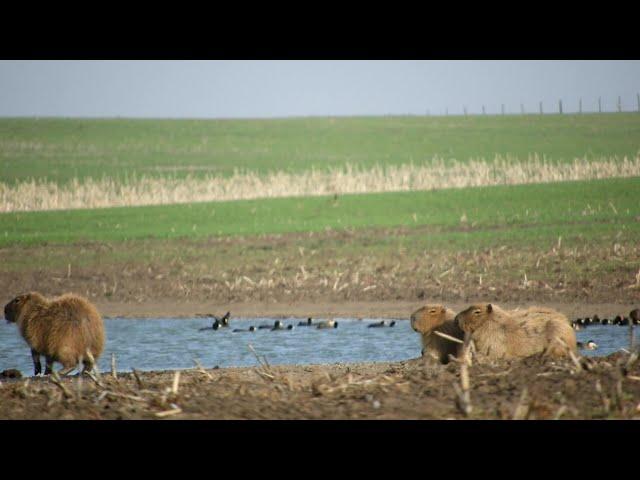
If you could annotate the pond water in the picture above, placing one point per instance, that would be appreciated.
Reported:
(161, 344)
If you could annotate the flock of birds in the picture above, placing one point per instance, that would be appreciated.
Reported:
(581, 323)
(223, 322)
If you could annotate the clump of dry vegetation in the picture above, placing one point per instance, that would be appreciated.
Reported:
(435, 174)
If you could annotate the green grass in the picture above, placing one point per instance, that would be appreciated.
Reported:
(522, 214)
(61, 149)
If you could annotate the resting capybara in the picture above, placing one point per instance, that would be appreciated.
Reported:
(436, 318)
(499, 334)
(67, 329)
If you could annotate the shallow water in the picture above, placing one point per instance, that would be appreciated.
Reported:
(159, 344)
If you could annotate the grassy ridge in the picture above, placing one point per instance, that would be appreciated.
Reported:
(61, 149)
(461, 218)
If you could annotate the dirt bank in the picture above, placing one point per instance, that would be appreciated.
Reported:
(381, 309)
(300, 273)
(606, 387)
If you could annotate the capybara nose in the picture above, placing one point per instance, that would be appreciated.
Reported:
(7, 312)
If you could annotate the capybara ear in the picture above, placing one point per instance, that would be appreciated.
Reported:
(489, 308)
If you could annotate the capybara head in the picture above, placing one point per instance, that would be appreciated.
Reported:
(428, 317)
(13, 309)
(472, 318)
(635, 316)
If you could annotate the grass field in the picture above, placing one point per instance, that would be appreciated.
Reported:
(530, 213)
(565, 240)
(63, 149)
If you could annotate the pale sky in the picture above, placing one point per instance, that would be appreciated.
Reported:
(259, 89)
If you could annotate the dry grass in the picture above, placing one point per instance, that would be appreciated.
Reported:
(43, 195)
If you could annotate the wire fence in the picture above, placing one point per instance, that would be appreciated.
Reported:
(559, 107)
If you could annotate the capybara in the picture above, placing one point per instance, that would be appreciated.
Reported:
(67, 329)
(634, 315)
(499, 334)
(436, 318)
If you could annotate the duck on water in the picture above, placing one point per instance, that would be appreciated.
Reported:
(327, 324)
(590, 345)
(277, 325)
(218, 322)
(381, 324)
(250, 329)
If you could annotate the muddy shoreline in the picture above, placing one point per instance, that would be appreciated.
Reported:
(374, 309)
(601, 388)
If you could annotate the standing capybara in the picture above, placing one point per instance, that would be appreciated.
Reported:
(436, 318)
(499, 334)
(67, 329)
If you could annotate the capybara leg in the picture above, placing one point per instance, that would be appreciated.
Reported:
(89, 362)
(49, 368)
(556, 350)
(67, 370)
(37, 366)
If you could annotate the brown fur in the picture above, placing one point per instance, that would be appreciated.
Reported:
(436, 318)
(499, 334)
(67, 329)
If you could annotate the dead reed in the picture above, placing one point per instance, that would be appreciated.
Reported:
(434, 174)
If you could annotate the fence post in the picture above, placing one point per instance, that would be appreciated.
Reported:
(540, 108)
(465, 111)
(560, 106)
(522, 109)
(638, 98)
(484, 112)
(503, 109)
(600, 104)
(580, 106)
(446, 111)
(619, 105)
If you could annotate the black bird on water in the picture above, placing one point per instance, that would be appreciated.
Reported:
(216, 325)
(278, 326)
(250, 329)
(218, 322)
(381, 323)
(224, 321)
